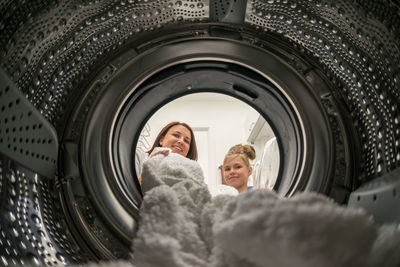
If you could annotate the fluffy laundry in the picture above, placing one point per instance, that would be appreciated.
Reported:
(183, 225)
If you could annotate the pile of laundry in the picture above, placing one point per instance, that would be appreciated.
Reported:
(183, 225)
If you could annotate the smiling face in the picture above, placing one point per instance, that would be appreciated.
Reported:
(236, 173)
(178, 138)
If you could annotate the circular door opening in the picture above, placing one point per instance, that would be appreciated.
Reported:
(218, 122)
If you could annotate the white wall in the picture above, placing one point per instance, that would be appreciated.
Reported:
(224, 118)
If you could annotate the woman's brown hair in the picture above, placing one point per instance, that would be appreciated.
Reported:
(192, 154)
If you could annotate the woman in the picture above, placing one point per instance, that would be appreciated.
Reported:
(177, 136)
(236, 168)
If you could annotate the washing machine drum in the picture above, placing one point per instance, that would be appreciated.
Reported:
(79, 80)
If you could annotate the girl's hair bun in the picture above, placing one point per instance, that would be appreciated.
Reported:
(247, 150)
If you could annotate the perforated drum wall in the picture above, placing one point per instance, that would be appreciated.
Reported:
(360, 52)
(80, 68)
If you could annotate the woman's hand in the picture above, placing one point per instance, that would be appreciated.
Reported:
(163, 152)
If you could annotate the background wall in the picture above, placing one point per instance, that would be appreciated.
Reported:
(218, 121)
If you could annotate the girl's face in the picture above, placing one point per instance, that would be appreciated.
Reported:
(236, 173)
(178, 138)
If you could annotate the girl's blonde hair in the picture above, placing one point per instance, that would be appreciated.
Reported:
(246, 152)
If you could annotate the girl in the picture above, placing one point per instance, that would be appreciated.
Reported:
(236, 168)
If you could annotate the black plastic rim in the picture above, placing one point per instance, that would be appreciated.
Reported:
(258, 78)
(207, 76)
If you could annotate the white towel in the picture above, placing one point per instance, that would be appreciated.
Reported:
(223, 190)
(182, 225)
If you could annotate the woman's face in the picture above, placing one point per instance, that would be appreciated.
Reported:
(178, 138)
(236, 173)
